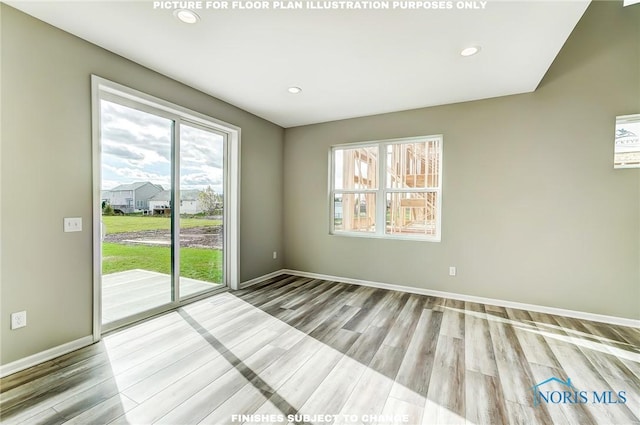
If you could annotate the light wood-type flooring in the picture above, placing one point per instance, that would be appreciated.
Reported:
(337, 353)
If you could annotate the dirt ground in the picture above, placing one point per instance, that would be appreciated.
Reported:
(196, 237)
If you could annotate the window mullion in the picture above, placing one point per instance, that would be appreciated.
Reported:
(351, 191)
(381, 195)
(332, 191)
(414, 190)
(175, 212)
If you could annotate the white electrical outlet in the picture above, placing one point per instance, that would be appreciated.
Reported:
(275, 254)
(73, 224)
(18, 320)
(452, 271)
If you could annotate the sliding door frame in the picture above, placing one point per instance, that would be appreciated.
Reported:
(104, 89)
(176, 196)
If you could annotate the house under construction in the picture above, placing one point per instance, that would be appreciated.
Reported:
(411, 179)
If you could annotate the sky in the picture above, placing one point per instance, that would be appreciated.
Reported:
(136, 146)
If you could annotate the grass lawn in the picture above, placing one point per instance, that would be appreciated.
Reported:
(122, 224)
(195, 263)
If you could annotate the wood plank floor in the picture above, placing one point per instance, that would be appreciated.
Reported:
(135, 291)
(328, 352)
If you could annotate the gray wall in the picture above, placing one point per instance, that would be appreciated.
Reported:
(533, 210)
(46, 175)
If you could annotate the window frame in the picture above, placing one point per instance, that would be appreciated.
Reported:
(382, 191)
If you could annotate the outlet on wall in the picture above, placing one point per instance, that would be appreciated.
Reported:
(18, 320)
(452, 271)
(275, 254)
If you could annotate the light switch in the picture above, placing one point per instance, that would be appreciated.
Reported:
(73, 224)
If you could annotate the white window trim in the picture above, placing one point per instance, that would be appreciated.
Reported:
(102, 88)
(382, 191)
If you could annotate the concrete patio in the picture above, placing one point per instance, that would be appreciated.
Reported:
(134, 291)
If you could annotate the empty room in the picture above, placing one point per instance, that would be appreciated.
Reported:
(320, 212)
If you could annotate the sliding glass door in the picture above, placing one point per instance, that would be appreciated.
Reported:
(162, 209)
(201, 206)
(136, 243)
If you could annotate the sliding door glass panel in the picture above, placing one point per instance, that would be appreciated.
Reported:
(136, 149)
(201, 207)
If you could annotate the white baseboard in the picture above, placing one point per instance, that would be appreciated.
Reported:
(43, 356)
(261, 278)
(60, 350)
(613, 320)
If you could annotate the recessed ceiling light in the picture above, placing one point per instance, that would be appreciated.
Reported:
(294, 90)
(187, 16)
(470, 51)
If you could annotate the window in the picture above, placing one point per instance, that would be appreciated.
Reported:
(627, 142)
(387, 189)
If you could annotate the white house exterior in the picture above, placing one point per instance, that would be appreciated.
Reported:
(189, 201)
(131, 197)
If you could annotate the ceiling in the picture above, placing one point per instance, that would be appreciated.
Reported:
(349, 63)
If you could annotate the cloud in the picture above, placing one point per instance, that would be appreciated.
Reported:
(121, 151)
(136, 146)
(136, 129)
(200, 147)
(109, 184)
(129, 154)
(129, 175)
(201, 181)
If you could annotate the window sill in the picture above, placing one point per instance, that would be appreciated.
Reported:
(385, 236)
